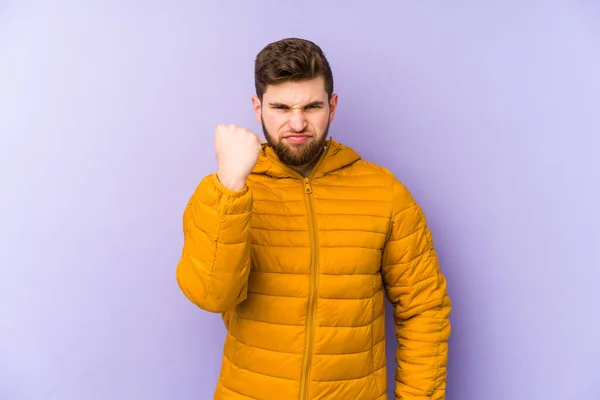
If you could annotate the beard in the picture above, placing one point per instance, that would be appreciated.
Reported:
(300, 157)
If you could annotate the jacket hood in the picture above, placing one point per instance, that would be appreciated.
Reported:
(335, 156)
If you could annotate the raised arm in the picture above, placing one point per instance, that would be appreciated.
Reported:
(215, 262)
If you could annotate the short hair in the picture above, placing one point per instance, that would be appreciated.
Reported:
(291, 59)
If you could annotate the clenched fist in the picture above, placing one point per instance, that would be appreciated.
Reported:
(237, 151)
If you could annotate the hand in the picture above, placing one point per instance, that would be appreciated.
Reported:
(237, 151)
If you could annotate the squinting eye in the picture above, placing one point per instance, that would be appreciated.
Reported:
(313, 106)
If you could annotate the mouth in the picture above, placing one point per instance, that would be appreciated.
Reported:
(299, 138)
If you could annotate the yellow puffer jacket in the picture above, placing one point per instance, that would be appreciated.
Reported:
(300, 268)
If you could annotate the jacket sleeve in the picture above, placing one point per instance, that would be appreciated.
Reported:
(215, 261)
(417, 290)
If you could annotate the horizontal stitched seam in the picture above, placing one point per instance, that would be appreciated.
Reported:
(269, 188)
(342, 200)
(346, 380)
(322, 246)
(243, 242)
(350, 247)
(281, 273)
(320, 230)
(238, 393)
(416, 388)
(355, 186)
(273, 245)
(279, 230)
(259, 373)
(262, 348)
(354, 215)
(404, 338)
(307, 273)
(278, 215)
(327, 215)
(354, 352)
(277, 295)
(352, 230)
(304, 297)
(354, 177)
(351, 326)
(319, 326)
(279, 200)
(267, 322)
(346, 298)
(352, 274)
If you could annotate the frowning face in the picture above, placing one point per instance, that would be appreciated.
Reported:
(295, 117)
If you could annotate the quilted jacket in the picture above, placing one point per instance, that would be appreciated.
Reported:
(300, 268)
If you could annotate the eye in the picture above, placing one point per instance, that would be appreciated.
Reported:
(313, 106)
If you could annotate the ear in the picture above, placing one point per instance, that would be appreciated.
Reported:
(257, 106)
(332, 106)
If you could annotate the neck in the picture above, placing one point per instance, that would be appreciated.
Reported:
(307, 168)
(304, 170)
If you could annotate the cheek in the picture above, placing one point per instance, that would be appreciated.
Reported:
(319, 122)
(274, 122)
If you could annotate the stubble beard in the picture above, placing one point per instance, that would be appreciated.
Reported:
(296, 158)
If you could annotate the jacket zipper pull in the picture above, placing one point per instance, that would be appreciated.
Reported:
(307, 187)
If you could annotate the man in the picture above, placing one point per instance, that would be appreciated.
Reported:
(297, 241)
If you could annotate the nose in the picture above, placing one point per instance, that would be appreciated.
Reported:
(297, 121)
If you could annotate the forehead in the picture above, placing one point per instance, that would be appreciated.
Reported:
(296, 93)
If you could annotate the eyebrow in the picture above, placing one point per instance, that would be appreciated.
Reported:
(281, 105)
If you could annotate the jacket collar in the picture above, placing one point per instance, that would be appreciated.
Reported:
(335, 156)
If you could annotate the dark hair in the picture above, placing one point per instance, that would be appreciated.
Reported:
(291, 59)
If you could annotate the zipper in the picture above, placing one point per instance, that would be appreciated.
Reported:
(314, 282)
(314, 275)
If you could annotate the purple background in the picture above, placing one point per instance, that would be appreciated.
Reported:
(489, 111)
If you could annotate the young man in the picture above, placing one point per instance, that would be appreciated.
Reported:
(297, 241)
